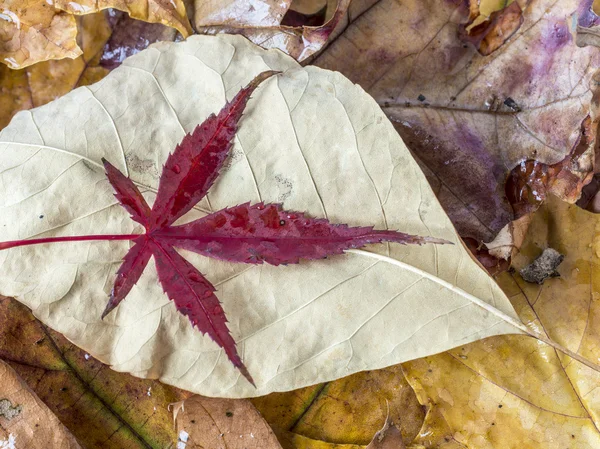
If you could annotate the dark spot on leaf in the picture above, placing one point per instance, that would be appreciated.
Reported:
(512, 104)
(229, 414)
(41, 216)
(421, 97)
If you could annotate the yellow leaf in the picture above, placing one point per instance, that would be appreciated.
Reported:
(45, 81)
(511, 391)
(33, 31)
(348, 410)
(167, 12)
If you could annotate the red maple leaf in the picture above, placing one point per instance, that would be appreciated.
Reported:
(245, 233)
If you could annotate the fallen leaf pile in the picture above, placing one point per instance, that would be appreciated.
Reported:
(387, 346)
(460, 111)
(40, 30)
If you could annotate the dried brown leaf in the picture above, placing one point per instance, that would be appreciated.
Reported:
(261, 23)
(223, 424)
(32, 31)
(101, 408)
(389, 437)
(464, 113)
(25, 421)
(106, 38)
(168, 12)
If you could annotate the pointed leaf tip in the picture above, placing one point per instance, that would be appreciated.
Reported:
(128, 194)
(194, 297)
(267, 233)
(109, 307)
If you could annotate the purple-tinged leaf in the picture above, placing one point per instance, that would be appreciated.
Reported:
(130, 36)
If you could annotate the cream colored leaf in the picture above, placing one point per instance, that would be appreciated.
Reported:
(310, 139)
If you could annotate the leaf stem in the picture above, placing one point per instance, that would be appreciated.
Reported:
(517, 324)
(77, 238)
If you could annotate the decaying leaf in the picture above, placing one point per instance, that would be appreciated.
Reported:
(223, 424)
(261, 22)
(490, 33)
(543, 267)
(263, 13)
(100, 407)
(348, 410)
(24, 418)
(351, 167)
(588, 24)
(461, 112)
(168, 12)
(33, 31)
(389, 437)
(38, 30)
(507, 391)
(130, 36)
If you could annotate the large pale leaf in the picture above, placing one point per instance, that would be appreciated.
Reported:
(309, 139)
